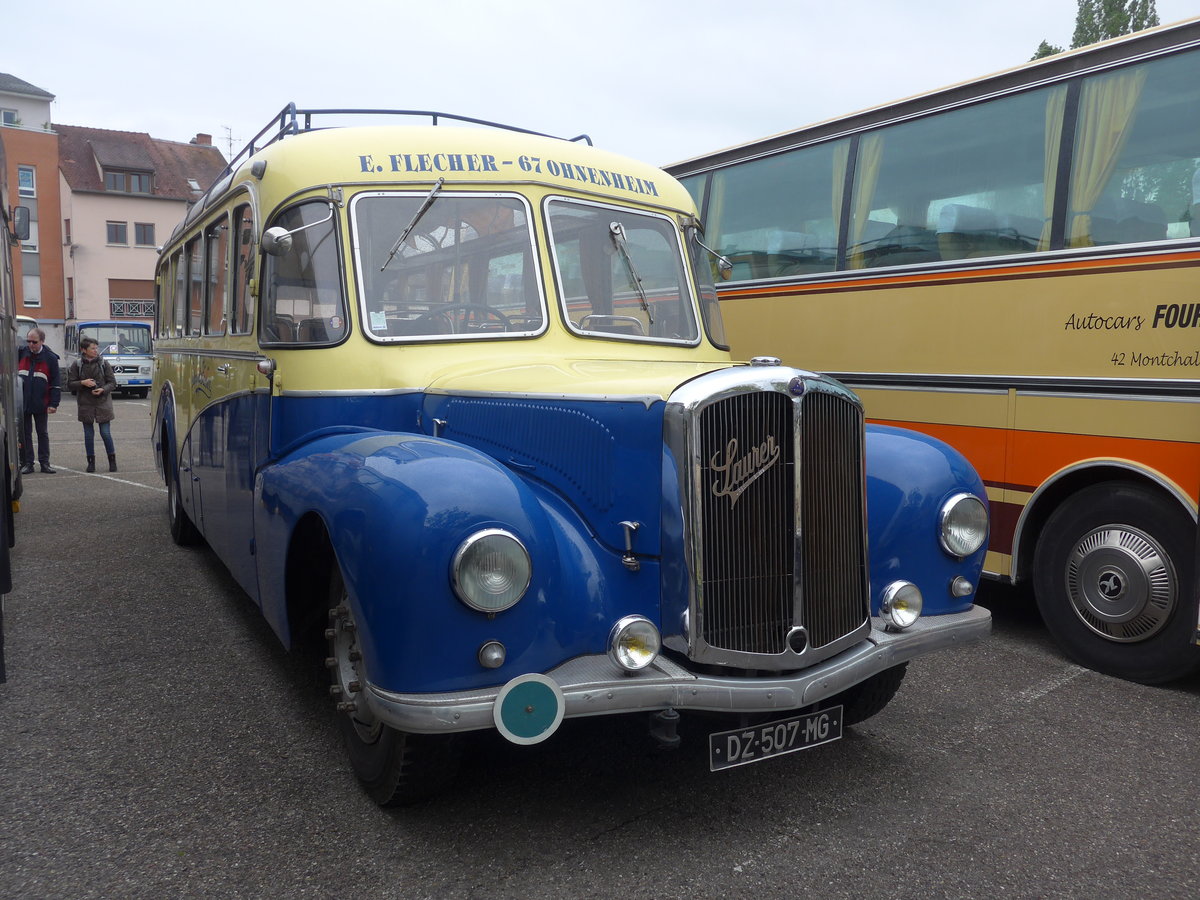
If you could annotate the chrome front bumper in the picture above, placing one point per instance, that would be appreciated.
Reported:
(594, 686)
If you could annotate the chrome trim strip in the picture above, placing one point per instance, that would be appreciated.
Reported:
(647, 400)
(593, 685)
(1075, 386)
(167, 350)
(364, 392)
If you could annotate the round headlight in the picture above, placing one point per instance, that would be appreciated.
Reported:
(634, 643)
(491, 570)
(963, 525)
(901, 604)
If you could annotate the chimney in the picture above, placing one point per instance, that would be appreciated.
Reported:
(202, 139)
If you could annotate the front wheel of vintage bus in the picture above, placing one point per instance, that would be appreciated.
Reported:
(1112, 573)
(183, 530)
(395, 768)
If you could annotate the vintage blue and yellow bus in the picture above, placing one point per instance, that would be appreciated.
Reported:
(452, 402)
(14, 228)
(1011, 265)
(127, 345)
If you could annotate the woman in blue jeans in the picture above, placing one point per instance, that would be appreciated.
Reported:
(92, 381)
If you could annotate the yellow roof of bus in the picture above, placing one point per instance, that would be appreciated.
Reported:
(420, 155)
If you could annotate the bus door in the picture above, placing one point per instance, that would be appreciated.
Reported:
(229, 397)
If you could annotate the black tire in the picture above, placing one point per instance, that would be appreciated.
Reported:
(868, 698)
(1113, 576)
(143, 393)
(183, 530)
(394, 767)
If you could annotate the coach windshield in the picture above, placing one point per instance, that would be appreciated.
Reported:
(620, 273)
(439, 265)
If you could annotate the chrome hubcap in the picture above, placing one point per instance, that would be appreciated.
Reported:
(1121, 583)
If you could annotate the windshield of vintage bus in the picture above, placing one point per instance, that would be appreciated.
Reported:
(117, 339)
(438, 265)
(620, 273)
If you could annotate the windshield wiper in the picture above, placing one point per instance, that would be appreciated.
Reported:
(413, 224)
(619, 241)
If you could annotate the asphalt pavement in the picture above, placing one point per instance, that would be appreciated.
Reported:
(156, 741)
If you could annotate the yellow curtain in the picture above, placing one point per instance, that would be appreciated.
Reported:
(866, 176)
(1056, 104)
(1106, 108)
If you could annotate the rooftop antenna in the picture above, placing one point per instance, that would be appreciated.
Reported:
(229, 141)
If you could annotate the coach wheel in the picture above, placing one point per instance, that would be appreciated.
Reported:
(183, 530)
(1112, 573)
(394, 767)
(870, 697)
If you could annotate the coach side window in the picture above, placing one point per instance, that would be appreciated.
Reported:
(195, 285)
(216, 241)
(1136, 152)
(179, 295)
(961, 184)
(242, 311)
(304, 301)
(780, 215)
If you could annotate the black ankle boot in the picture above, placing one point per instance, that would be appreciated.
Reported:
(91, 466)
(112, 462)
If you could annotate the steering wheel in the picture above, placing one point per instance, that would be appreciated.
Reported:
(463, 317)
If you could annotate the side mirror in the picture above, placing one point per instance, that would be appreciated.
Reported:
(20, 220)
(276, 241)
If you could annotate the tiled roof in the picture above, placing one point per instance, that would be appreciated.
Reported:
(85, 152)
(11, 84)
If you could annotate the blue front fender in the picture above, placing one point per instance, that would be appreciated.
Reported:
(909, 477)
(397, 507)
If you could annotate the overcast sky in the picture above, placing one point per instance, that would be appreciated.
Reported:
(660, 81)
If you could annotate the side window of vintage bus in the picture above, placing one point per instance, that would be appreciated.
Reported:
(195, 253)
(164, 286)
(179, 319)
(780, 215)
(242, 310)
(962, 184)
(304, 301)
(216, 243)
(1137, 150)
(162, 310)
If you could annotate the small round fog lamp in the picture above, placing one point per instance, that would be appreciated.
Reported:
(634, 643)
(901, 604)
(492, 655)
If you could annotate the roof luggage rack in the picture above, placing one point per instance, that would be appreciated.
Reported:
(292, 121)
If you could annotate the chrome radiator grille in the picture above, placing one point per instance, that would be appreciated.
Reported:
(781, 520)
(832, 518)
(748, 556)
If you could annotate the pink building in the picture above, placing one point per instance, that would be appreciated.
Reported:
(122, 194)
(101, 203)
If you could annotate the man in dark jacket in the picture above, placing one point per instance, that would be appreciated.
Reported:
(41, 389)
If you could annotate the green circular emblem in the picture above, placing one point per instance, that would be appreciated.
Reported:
(529, 709)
